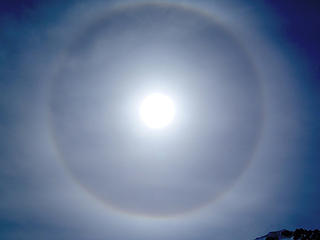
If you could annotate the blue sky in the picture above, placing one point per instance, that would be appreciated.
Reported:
(240, 160)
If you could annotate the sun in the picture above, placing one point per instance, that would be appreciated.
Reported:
(157, 111)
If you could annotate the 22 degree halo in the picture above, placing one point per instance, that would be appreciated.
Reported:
(93, 121)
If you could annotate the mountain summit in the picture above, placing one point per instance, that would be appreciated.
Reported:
(298, 234)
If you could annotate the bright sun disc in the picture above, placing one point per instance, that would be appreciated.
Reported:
(157, 110)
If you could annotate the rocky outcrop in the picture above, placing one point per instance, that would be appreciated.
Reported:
(298, 234)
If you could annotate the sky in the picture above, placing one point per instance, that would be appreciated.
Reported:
(240, 158)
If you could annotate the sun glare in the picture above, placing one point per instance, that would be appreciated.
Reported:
(157, 110)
